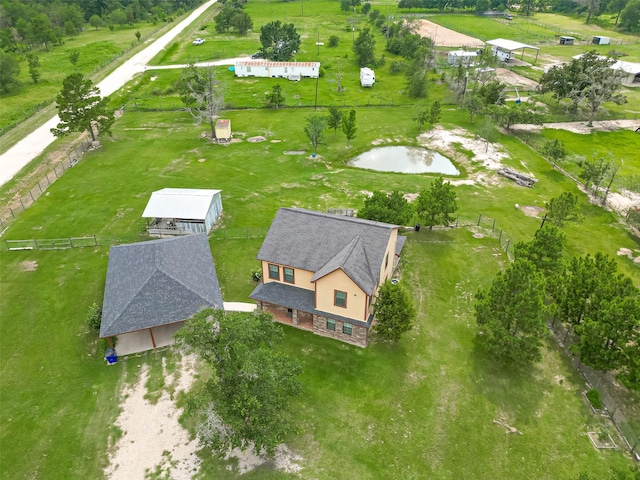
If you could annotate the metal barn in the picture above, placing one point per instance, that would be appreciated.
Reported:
(182, 211)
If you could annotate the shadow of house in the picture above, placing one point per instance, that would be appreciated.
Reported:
(321, 272)
(152, 287)
(182, 211)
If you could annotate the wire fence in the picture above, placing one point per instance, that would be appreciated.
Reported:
(12, 211)
(612, 397)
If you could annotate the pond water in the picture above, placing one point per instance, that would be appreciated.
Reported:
(405, 160)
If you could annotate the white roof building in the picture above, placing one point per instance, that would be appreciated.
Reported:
(511, 45)
(185, 209)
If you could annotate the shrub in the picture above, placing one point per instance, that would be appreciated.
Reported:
(94, 316)
(256, 275)
(334, 40)
(594, 398)
(397, 66)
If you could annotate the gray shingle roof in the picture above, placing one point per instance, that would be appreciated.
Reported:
(322, 243)
(298, 298)
(158, 282)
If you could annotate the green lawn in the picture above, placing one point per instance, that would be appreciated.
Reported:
(426, 406)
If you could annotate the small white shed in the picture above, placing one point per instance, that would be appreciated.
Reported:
(460, 57)
(598, 40)
(288, 70)
(182, 211)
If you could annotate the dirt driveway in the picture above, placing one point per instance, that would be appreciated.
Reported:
(512, 78)
(444, 37)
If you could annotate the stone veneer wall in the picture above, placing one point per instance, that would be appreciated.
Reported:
(359, 336)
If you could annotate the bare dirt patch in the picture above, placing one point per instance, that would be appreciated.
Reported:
(445, 37)
(29, 266)
(532, 211)
(512, 78)
(581, 127)
(153, 440)
(257, 139)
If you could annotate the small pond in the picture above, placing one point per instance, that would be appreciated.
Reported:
(405, 160)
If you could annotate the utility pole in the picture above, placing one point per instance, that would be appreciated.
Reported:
(315, 107)
(318, 42)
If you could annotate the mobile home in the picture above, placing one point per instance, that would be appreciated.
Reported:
(289, 70)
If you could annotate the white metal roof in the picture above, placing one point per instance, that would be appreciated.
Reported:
(267, 63)
(185, 203)
(462, 53)
(509, 45)
(627, 67)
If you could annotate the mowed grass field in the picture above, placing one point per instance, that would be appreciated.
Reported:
(432, 406)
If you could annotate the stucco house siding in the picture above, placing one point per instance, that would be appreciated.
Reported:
(325, 296)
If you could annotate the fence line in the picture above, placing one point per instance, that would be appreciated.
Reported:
(11, 212)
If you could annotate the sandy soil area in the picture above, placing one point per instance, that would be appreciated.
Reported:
(152, 439)
(444, 37)
(512, 78)
(581, 127)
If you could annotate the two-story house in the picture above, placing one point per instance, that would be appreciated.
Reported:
(321, 272)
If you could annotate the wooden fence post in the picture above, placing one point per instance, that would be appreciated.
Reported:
(500, 237)
(23, 207)
(95, 242)
(507, 247)
(479, 218)
(493, 227)
(11, 210)
(31, 195)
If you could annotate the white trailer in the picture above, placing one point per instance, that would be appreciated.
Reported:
(367, 77)
(503, 55)
(460, 57)
(288, 70)
(598, 40)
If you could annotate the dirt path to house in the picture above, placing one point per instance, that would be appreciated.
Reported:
(445, 37)
(512, 78)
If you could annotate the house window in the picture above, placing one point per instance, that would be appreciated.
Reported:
(274, 272)
(331, 325)
(347, 328)
(248, 69)
(340, 298)
(288, 274)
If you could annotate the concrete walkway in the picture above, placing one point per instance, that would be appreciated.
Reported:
(18, 156)
(239, 307)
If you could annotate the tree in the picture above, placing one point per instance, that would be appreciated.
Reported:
(94, 317)
(334, 120)
(275, 97)
(80, 107)
(630, 16)
(138, 35)
(9, 71)
(246, 401)
(594, 172)
(314, 128)
(242, 22)
(421, 115)
(508, 115)
(34, 67)
(279, 41)
(393, 208)
(74, 56)
(603, 85)
(95, 21)
(563, 209)
(592, 7)
(394, 312)
(544, 251)
(364, 49)
(554, 150)
(492, 93)
(421, 61)
(437, 203)
(349, 127)
(617, 6)
(511, 313)
(435, 112)
(487, 132)
(334, 40)
(42, 31)
(473, 104)
(614, 166)
(607, 335)
(203, 95)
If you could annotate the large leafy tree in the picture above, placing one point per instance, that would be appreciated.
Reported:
(554, 150)
(81, 108)
(630, 16)
(394, 312)
(392, 208)
(437, 203)
(364, 49)
(279, 41)
(511, 313)
(544, 251)
(9, 71)
(203, 95)
(246, 401)
(315, 126)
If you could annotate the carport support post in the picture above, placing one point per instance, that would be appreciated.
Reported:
(153, 340)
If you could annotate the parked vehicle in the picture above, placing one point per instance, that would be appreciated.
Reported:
(198, 41)
(367, 77)
(256, 55)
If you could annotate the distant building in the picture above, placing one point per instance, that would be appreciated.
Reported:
(460, 57)
(265, 68)
(223, 129)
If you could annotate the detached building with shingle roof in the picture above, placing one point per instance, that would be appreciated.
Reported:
(321, 272)
(153, 287)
